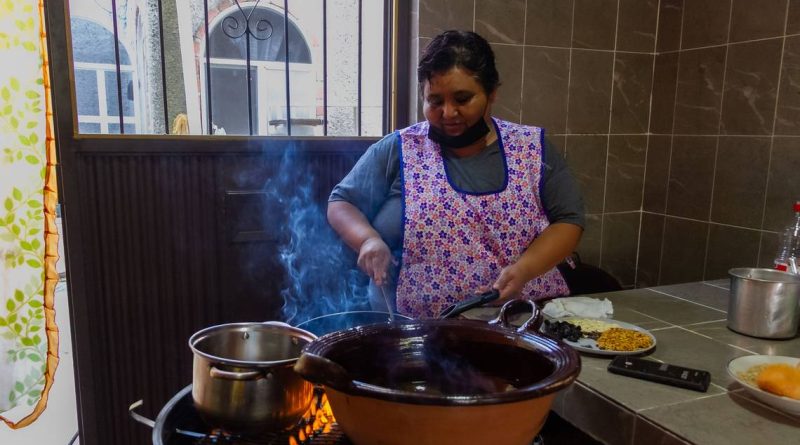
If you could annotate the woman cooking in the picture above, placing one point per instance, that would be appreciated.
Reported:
(462, 202)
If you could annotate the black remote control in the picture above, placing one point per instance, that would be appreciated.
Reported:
(667, 374)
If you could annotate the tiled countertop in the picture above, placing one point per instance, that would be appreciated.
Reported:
(689, 323)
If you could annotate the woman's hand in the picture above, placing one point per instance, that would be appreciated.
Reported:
(373, 258)
(511, 281)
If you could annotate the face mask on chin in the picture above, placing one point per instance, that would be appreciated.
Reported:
(470, 136)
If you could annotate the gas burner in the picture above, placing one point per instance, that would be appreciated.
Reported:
(178, 423)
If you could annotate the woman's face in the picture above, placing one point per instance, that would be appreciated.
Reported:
(454, 101)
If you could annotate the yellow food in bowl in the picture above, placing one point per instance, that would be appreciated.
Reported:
(780, 379)
(620, 339)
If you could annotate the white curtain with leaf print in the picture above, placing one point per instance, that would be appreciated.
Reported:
(28, 239)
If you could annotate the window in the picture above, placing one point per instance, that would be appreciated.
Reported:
(220, 67)
(96, 88)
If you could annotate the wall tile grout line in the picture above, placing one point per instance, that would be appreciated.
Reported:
(569, 79)
(647, 147)
(743, 42)
(684, 218)
(719, 131)
(772, 137)
(608, 137)
(522, 81)
(671, 145)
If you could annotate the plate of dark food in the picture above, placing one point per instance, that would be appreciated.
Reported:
(602, 336)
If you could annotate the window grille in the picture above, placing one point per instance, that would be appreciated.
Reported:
(213, 67)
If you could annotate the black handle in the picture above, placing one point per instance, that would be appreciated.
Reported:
(472, 302)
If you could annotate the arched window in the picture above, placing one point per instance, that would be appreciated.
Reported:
(258, 36)
(96, 91)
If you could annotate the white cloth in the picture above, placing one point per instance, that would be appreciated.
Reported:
(579, 307)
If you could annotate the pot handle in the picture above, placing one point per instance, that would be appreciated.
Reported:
(320, 370)
(217, 373)
(534, 322)
(138, 417)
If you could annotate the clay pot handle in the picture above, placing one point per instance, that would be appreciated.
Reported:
(322, 371)
(534, 322)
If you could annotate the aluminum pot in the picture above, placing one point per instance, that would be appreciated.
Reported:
(764, 303)
(243, 378)
(422, 382)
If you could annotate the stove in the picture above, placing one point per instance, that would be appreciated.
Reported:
(179, 423)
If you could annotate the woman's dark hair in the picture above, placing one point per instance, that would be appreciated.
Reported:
(463, 49)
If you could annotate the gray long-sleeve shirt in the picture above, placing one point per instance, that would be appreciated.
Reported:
(374, 185)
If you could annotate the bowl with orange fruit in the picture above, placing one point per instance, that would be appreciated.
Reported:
(772, 379)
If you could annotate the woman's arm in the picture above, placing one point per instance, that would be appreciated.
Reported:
(555, 243)
(356, 231)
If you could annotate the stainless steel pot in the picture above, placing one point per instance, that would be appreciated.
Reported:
(243, 379)
(764, 303)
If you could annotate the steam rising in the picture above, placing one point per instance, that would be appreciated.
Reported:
(321, 275)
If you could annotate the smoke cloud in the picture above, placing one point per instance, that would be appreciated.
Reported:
(321, 274)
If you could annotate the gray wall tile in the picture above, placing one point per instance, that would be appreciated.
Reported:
(691, 175)
(633, 75)
(757, 19)
(620, 245)
(436, 16)
(657, 174)
(625, 173)
(549, 23)
(559, 142)
(636, 30)
(705, 22)
(650, 241)
(730, 247)
(594, 24)
(589, 247)
(500, 21)
(683, 252)
(545, 83)
(783, 188)
(699, 93)
(670, 14)
(589, 91)
(768, 249)
(509, 101)
(665, 83)
(586, 156)
(740, 181)
(788, 113)
(751, 85)
(793, 21)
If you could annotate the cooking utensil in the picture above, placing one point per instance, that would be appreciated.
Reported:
(432, 381)
(243, 377)
(389, 305)
(345, 320)
(454, 310)
(764, 303)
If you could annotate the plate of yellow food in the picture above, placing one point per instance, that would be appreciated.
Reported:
(772, 379)
(602, 336)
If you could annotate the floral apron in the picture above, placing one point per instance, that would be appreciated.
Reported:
(456, 243)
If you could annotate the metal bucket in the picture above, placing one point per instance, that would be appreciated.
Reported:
(764, 303)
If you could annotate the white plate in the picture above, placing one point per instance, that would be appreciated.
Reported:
(742, 364)
(590, 345)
